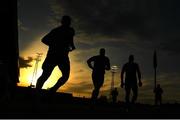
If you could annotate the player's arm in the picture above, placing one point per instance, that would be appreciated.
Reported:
(122, 76)
(108, 64)
(139, 75)
(89, 62)
(47, 39)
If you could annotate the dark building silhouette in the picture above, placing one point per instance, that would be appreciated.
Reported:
(9, 52)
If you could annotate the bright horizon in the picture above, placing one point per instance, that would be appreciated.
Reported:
(70, 86)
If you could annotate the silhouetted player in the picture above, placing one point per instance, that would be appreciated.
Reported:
(158, 94)
(60, 42)
(131, 69)
(98, 64)
(114, 94)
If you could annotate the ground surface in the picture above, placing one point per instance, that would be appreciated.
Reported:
(30, 103)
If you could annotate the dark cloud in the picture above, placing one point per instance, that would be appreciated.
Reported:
(127, 27)
(32, 20)
(152, 20)
(25, 63)
(173, 46)
(155, 21)
(21, 26)
(109, 17)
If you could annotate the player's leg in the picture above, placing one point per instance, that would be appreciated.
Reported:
(127, 93)
(47, 70)
(135, 94)
(65, 70)
(98, 80)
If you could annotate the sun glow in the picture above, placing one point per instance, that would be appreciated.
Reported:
(79, 82)
(26, 74)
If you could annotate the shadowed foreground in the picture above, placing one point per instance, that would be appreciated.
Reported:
(29, 103)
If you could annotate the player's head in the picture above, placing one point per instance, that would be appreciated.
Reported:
(131, 58)
(102, 52)
(66, 20)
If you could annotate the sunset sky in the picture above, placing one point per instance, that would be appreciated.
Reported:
(122, 27)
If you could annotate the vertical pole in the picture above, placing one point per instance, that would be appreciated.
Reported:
(154, 78)
(34, 72)
(155, 69)
(35, 68)
(112, 82)
(113, 71)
